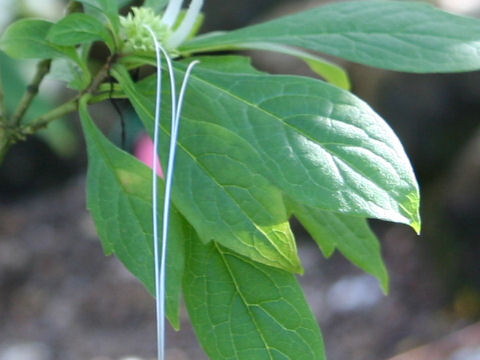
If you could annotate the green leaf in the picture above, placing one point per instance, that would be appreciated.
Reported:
(107, 7)
(244, 310)
(334, 74)
(78, 28)
(120, 201)
(351, 235)
(396, 35)
(216, 190)
(319, 144)
(68, 71)
(26, 39)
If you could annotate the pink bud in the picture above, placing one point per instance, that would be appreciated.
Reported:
(144, 152)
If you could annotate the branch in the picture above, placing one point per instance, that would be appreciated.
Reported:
(43, 69)
(42, 121)
(66, 108)
(14, 131)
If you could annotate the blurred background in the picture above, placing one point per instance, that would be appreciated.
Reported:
(61, 298)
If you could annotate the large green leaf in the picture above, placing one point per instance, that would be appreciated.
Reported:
(321, 145)
(243, 310)
(349, 234)
(396, 35)
(120, 201)
(27, 39)
(216, 190)
(78, 28)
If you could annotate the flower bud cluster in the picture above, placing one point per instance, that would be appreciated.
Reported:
(169, 31)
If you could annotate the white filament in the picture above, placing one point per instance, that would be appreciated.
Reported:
(171, 14)
(160, 261)
(185, 28)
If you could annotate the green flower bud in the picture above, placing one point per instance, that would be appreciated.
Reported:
(137, 37)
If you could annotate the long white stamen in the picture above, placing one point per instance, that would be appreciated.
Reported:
(160, 258)
(181, 34)
(182, 92)
(171, 14)
(160, 261)
(158, 275)
(173, 138)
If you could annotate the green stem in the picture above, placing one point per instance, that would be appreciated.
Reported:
(42, 121)
(14, 131)
(4, 142)
(43, 69)
(66, 108)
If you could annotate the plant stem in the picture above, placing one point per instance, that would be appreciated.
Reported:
(68, 107)
(43, 120)
(4, 142)
(43, 69)
(13, 131)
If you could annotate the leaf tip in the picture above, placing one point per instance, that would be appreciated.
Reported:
(299, 269)
(385, 283)
(417, 226)
(412, 209)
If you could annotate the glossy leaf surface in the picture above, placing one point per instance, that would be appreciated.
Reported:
(321, 145)
(215, 188)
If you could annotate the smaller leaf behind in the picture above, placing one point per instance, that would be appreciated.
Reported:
(79, 28)
(243, 310)
(331, 72)
(27, 39)
(120, 201)
(351, 235)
